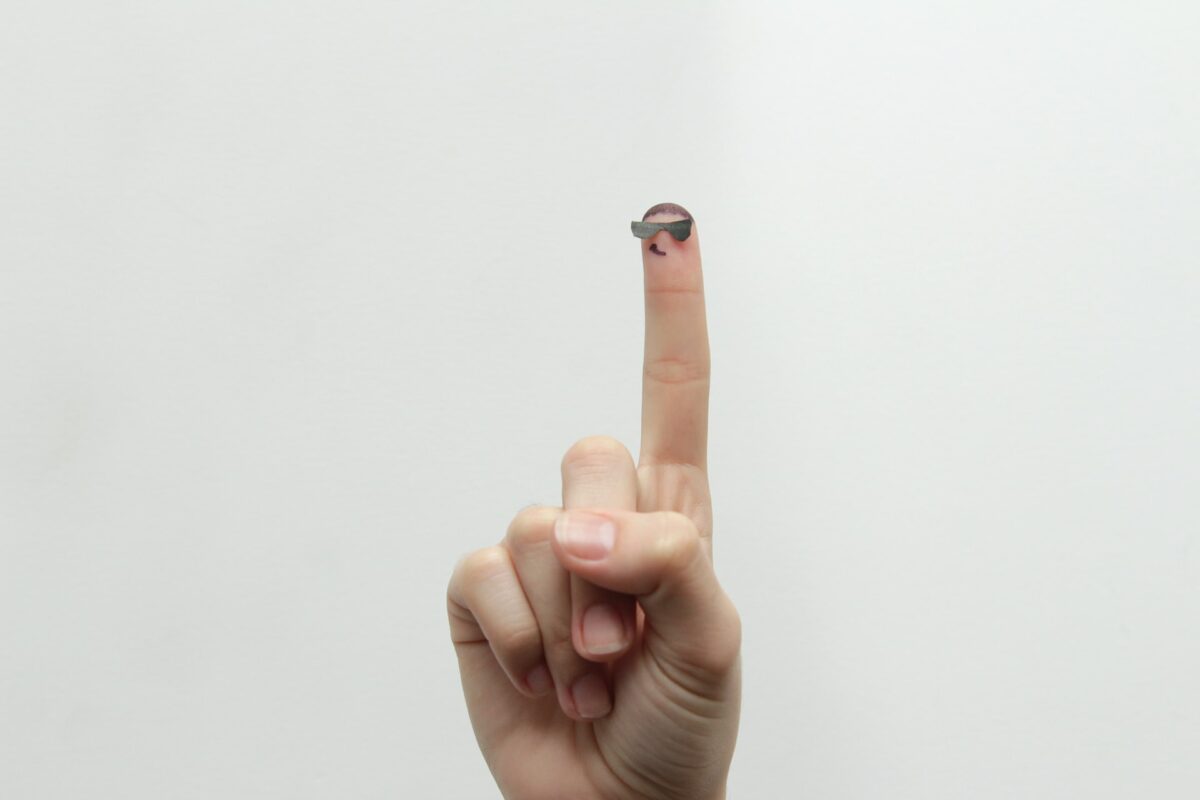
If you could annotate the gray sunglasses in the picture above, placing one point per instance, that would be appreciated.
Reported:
(679, 230)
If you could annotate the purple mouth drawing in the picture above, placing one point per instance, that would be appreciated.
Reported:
(654, 249)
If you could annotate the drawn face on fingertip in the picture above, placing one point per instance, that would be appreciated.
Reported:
(662, 243)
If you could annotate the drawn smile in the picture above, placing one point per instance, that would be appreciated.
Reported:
(654, 249)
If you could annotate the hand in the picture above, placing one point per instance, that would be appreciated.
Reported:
(599, 656)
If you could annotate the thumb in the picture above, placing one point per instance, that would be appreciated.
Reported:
(659, 558)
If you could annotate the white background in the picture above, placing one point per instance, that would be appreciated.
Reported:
(301, 301)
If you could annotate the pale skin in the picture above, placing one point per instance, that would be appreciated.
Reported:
(599, 655)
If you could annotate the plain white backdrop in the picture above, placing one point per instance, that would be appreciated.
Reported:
(301, 301)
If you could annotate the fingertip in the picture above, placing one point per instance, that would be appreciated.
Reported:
(604, 632)
(583, 535)
(591, 698)
(538, 681)
(668, 208)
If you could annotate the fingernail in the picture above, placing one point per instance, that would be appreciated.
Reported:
(583, 535)
(603, 629)
(590, 694)
(538, 680)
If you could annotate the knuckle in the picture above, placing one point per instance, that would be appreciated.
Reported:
(564, 661)
(453, 584)
(556, 637)
(560, 649)
(595, 453)
(675, 370)
(678, 542)
(531, 527)
(470, 574)
(524, 640)
(481, 565)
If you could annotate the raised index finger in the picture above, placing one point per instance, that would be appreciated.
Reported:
(675, 375)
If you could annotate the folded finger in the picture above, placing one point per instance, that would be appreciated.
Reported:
(658, 557)
(486, 602)
(580, 685)
(598, 471)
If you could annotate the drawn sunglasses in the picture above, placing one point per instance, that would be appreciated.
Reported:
(679, 230)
